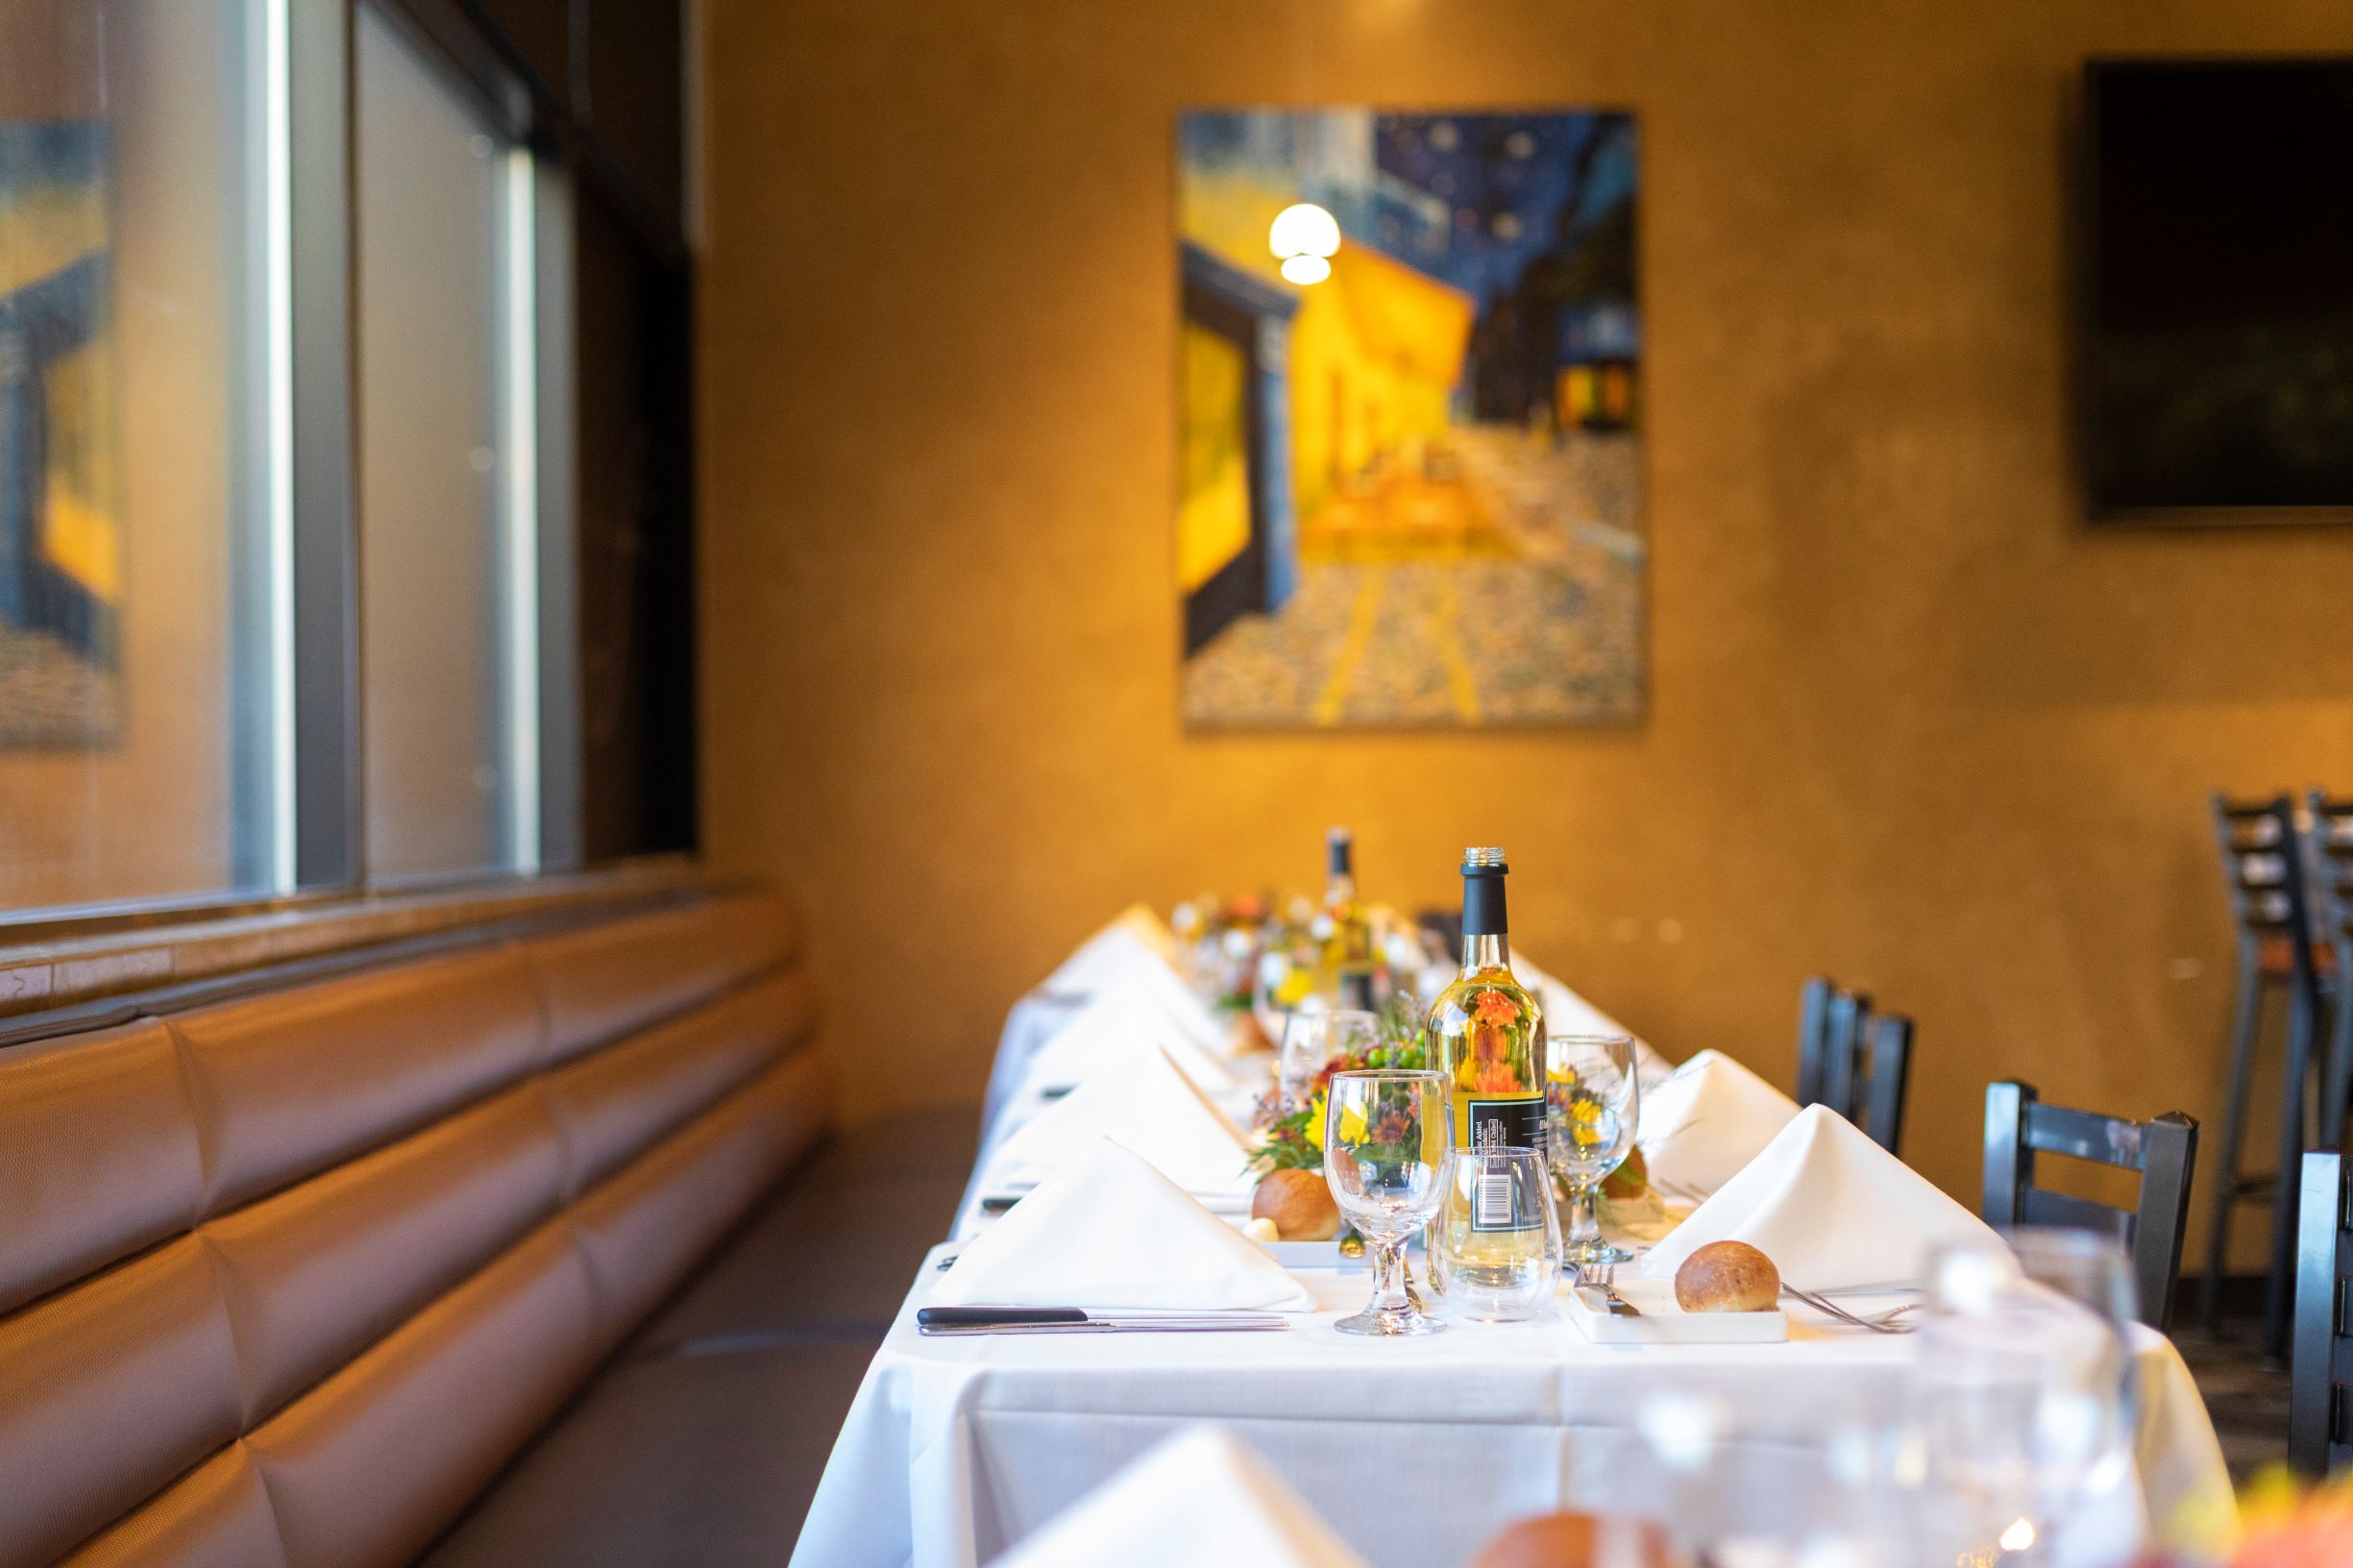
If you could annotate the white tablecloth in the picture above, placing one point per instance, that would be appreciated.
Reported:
(1415, 1450)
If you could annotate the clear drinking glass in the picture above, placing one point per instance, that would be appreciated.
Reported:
(1388, 1139)
(1592, 1101)
(2024, 1393)
(1495, 1250)
(1313, 1042)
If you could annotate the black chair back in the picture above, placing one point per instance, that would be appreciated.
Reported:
(2019, 1126)
(2264, 868)
(1858, 1064)
(2320, 1395)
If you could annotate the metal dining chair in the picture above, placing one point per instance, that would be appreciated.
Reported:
(1858, 1064)
(2327, 836)
(2019, 1127)
(2320, 1364)
(2263, 867)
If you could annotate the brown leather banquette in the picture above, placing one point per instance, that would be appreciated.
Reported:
(285, 1281)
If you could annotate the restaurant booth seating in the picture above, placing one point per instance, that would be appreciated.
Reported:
(288, 1279)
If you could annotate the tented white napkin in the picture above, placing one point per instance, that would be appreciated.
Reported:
(1110, 1231)
(1708, 1120)
(1201, 1497)
(1150, 1108)
(1831, 1209)
(1565, 1013)
(1113, 1034)
(1138, 933)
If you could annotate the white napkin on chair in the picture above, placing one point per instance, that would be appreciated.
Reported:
(1708, 1119)
(1113, 1034)
(1150, 1108)
(1201, 1497)
(1111, 1232)
(1831, 1209)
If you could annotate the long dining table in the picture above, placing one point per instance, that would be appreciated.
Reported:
(1416, 1452)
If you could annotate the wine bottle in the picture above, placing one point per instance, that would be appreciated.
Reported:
(1485, 1031)
(1347, 941)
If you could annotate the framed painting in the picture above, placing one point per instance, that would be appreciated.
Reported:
(1409, 466)
(61, 522)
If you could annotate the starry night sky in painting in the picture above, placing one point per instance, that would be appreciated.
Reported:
(1505, 182)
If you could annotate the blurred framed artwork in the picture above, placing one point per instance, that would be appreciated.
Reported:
(60, 524)
(1409, 470)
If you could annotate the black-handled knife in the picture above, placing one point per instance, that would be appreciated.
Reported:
(944, 1321)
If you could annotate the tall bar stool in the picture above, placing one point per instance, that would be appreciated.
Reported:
(2328, 879)
(2263, 869)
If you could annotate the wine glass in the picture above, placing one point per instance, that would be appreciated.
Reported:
(1313, 1042)
(1591, 1101)
(1388, 1142)
(1495, 1250)
(2026, 1389)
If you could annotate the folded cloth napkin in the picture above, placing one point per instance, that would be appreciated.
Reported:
(1565, 1013)
(1831, 1209)
(1150, 1108)
(1110, 1231)
(1199, 1497)
(1111, 1034)
(1138, 933)
(1708, 1119)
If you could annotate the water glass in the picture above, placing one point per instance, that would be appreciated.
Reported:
(1387, 1147)
(2025, 1394)
(1592, 1102)
(1313, 1042)
(1495, 1250)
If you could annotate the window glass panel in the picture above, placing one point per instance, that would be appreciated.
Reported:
(450, 734)
(138, 346)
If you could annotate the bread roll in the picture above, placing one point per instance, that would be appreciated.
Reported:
(1728, 1277)
(1300, 1205)
(1577, 1540)
(1630, 1180)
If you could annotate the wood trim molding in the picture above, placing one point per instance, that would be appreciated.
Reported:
(66, 967)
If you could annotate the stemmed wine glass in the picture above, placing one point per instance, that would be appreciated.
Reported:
(1592, 1100)
(1313, 1042)
(2025, 1391)
(1389, 1146)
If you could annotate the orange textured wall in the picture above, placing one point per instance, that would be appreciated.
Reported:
(1911, 723)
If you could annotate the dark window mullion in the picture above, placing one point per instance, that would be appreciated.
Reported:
(327, 782)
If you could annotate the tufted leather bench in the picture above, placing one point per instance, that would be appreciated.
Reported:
(286, 1281)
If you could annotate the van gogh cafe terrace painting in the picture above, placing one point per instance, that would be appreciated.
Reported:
(1304, 1232)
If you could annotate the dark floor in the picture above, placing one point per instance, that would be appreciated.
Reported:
(2246, 1394)
(701, 1445)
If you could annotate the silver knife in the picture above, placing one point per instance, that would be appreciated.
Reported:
(966, 1320)
(1607, 1305)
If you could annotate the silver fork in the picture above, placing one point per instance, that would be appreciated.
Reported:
(1884, 1323)
(1602, 1277)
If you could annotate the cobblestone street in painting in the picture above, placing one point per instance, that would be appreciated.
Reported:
(1508, 592)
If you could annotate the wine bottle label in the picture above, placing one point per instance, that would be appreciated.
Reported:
(1505, 1124)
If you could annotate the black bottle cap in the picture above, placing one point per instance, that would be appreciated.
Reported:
(1339, 851)
(1483, 893)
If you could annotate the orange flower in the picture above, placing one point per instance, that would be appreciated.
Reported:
(1494, 1007)
(1490, 1077)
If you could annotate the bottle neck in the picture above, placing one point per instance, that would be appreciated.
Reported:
(1340, 889)
(1485, 950)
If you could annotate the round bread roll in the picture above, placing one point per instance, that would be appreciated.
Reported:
(1299, 1204)
(1577, 1540)
(1631, 1180)
(1728, 1277)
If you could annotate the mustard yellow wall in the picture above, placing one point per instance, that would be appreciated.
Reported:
(1910, 723)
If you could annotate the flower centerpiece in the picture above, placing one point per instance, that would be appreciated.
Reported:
(1293, 1140)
